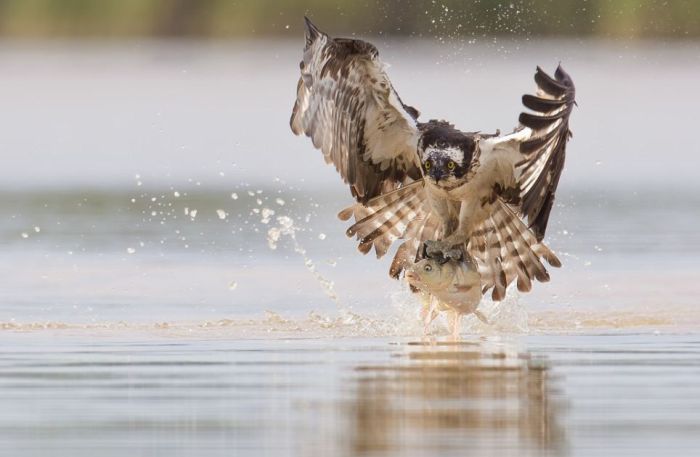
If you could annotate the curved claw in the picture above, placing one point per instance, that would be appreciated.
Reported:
(441, 252)
(431, 249)
(453, 254)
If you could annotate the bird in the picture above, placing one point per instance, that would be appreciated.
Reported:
(442, 191)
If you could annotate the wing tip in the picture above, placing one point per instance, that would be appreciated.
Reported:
(560, 85)
(346, 213)
(312, 32)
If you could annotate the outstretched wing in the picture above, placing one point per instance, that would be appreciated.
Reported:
(505, 248)
(348, 107)
(541, 140)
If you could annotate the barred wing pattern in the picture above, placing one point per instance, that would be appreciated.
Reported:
(503, 247)
(544, 149)
(505, 250)
(348, 107)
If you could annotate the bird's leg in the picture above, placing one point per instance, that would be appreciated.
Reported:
(443, 249)
(439, 250)
(445, 211)
(471, 213)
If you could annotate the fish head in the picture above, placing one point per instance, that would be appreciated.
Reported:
(430, 274)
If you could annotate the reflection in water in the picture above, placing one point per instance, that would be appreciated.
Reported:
(632, 395)
(455, 397)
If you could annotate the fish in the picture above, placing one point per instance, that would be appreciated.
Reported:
(447, 285)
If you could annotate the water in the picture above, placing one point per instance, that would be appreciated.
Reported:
(142, 309)
(554, 395)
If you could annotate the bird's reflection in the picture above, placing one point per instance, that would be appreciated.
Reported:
(439, 399)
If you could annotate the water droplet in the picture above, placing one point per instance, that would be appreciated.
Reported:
(37, 229)
(321, 236)
(279, 201)
(130, 250)
(25, 235)
(234, 196)
(176, 194)
(267, 213)
(221, 213)
(232, 285)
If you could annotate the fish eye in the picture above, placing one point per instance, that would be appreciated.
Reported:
(451, 165)
(428, 268)
(427, 164)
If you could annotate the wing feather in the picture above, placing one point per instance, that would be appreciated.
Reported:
(506, 251)
(350, 110)
(544, 150)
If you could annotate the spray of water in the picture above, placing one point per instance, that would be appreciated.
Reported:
(286, 227)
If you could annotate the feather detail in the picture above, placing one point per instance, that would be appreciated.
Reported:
(544, 150)
(506, 251)
(350, 110)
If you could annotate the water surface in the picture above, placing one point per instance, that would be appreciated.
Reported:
(146, 307)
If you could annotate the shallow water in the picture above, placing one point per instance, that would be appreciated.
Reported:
(557, 395)
(145, 308)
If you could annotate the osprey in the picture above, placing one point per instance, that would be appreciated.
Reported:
(443, 191)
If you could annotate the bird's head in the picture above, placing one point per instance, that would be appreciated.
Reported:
(447, 155)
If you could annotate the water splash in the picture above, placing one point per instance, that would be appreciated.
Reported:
(506, 316)
(403, 322)
(287, 228)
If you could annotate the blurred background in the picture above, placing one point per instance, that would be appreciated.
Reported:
(147, 158)
(173, 275)
(424, 19)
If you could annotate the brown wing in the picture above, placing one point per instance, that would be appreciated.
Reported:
(502, 246)
(544, 149)
(505, 251)
(348, 107)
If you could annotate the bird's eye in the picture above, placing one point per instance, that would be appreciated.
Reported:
(428, 268)
(427, 165)
(451, 165)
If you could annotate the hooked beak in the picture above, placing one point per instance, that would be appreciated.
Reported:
(435, 174)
